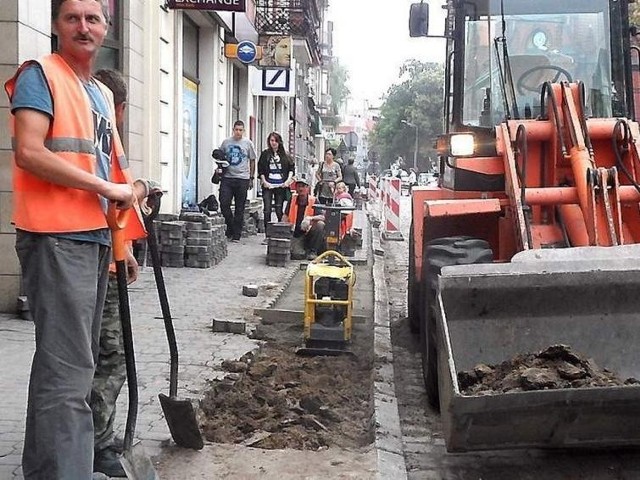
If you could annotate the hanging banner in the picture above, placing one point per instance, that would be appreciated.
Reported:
(220, 5)
(189, 141)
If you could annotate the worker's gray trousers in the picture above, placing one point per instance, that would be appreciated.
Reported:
(65, 282)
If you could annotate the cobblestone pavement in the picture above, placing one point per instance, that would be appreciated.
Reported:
(424, 447)
(196, 297)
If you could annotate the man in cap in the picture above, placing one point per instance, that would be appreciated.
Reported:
(308, 226)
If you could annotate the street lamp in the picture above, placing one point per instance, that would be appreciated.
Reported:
(415, 152)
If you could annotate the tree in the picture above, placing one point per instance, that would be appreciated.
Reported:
(417, 100)
(338, 79)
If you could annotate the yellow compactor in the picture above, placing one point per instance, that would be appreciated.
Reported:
(328, 305)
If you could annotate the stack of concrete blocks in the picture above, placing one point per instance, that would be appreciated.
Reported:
(278, 243)
(197, 250)
(252, 217)
(218, 239)
(172, 242)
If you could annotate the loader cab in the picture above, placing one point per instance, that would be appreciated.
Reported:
(501, 52)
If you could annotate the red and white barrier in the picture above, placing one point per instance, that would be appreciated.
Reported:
(372, 194)
(384, 205)
(392, 205)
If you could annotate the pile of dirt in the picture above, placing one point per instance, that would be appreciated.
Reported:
(281, 400)
(553, 368)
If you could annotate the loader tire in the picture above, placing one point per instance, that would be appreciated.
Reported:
(438, 253)
(414, 292)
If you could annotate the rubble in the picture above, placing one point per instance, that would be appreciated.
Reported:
(555, 367)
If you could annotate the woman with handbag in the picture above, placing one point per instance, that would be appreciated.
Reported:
(329, 173)
(275, 171)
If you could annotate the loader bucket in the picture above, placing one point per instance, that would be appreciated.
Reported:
(587, 298)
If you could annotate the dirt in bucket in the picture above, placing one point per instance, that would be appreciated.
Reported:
(552, 368)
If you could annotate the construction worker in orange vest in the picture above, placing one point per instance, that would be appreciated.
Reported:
(307, 225)
(68, 164)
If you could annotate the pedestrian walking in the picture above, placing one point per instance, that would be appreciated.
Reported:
(110, 372)
(68, 164)
(350, 176)
(275, 172)
(237, 179)
(328, 174)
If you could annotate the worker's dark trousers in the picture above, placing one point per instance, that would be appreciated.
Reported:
(273, 197)
(233, 189)
(314, 239)
(65, 282)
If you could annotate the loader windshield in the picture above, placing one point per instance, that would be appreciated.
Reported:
(545, 41)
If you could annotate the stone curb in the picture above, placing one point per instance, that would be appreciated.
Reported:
(284, 283)
(388, 435)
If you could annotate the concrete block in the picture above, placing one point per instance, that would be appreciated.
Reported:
(219, 326)
(229, 326)
(250, 290)
(236, 326)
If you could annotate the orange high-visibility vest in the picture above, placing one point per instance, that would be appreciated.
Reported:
(346, 224)
(293, 210)
(44, 207)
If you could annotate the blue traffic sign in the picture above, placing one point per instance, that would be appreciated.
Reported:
(247, 51)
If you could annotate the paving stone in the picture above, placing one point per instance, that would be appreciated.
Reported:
(250, 290)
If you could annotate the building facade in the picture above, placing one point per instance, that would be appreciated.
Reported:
(184, 93)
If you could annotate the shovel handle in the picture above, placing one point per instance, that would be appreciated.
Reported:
(117, 221)
(164, 306)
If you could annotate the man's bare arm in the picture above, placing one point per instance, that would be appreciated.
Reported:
(31, 129)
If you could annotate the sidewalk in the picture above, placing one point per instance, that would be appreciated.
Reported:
(196, 297)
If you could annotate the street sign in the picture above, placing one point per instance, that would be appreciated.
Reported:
(247, 51)
(351, 140)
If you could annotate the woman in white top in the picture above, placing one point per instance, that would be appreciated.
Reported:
(275, 171)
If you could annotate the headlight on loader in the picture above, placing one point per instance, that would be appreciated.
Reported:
(461, 144)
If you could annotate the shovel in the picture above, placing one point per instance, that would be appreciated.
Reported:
(179, 413)
(135, 462)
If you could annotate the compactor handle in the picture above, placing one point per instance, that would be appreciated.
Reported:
(332, 254)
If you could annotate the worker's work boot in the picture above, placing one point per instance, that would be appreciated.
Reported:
(107, 461)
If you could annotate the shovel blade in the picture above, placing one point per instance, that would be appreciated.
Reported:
(183, 425)
(137, 465)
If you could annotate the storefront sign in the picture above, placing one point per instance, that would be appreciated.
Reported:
(224, 5)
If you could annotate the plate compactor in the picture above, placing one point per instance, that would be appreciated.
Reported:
(328, 305)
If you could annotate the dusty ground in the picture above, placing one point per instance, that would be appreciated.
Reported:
(555, 367)
(280, 415)
(282, 400)
(225, 461)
